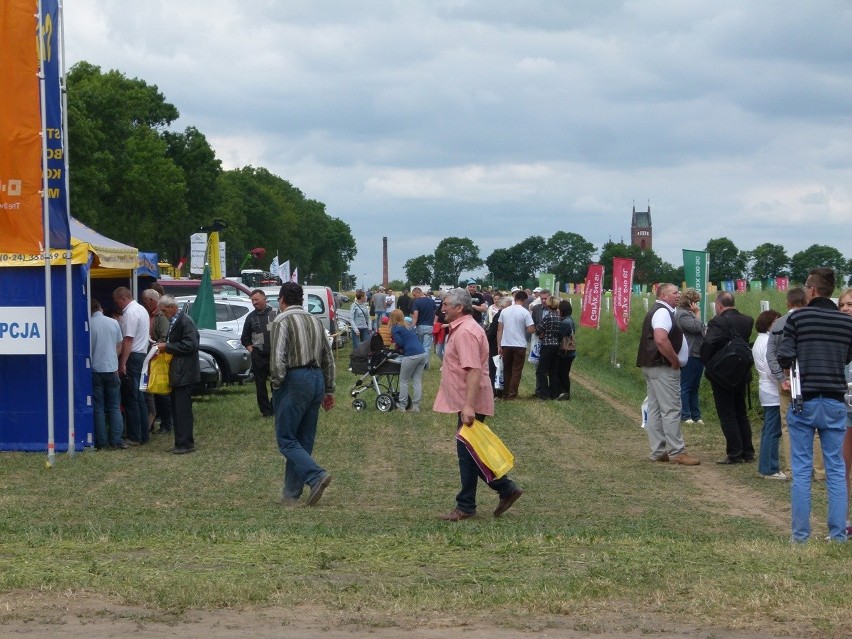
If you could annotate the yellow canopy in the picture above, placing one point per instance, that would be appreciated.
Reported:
(108, 256)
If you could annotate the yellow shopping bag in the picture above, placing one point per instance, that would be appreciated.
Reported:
(489, 452)
(158, 374)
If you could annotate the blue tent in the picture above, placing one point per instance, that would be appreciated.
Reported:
(23, 391)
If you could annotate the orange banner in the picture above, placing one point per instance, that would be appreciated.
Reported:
(21, 226)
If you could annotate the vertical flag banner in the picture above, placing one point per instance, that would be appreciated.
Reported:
(622, 289)
(222, 249)
(294, 276)
(213, 255)
(696, 271)
(60, 233)
(548, 281)
(593, 289)
(741, 286)
(273, 266)
(284, 271)
(782, 283)
(21, 226)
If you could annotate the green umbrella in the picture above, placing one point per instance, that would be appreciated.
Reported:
(203, 310)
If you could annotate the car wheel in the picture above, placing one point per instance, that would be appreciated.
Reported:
(224, 371)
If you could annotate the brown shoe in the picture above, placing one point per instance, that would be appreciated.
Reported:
(685, 460)
(317, 490)
(662, 458)
(507, 501)
(456, 515)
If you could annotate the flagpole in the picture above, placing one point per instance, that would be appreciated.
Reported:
(69, 304)
(48, 324)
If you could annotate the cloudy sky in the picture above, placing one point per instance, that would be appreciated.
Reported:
(497, 120)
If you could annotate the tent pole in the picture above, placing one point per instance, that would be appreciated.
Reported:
(48, 324)
(69, 308)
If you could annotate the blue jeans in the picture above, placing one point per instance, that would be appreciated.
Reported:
(377, 321)
(106, 401)
(470, 475)
(768, 462)
(359, 335)
(828, 416)
(411, 370)
(137, 407)
(690, 381)
(424, 334)
(297, 403)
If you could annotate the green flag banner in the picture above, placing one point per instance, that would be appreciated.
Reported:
(203, 310)
(548, 281)
(696, 267)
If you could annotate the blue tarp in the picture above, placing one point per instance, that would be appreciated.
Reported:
(23, 387)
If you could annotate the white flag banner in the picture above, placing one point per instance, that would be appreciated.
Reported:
(295, 276)
(284, 272)
(197, 252)
(222, 257)
(273, 267)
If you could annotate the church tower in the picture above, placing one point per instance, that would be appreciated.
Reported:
(640, 229)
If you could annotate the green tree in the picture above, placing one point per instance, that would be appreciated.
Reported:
(814, 256)
(567, 256)
(191, 152)
(727, 262)
(419, 270)
(768, 260)
(453, 256)
(123, 181)
(609, 251)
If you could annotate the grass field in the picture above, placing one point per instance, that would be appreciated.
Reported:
(601, 537)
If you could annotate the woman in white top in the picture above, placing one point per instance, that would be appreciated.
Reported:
(767, 464)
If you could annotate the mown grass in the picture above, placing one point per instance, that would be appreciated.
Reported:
(600, 533)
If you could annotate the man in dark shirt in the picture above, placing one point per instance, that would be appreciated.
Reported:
(423, 318)
(255, 338)
(403, 303)
(479, 306)
(818, 342)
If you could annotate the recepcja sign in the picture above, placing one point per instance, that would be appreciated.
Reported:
(22, 330)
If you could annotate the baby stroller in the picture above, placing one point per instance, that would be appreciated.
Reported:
(379, 370)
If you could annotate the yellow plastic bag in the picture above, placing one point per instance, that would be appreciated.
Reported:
(489, 452)
(158, 374)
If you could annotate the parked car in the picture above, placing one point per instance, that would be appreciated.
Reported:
(230, 311)
(231, 356)
(223, 287)
(319, 302)
(340, 298)
(211, 375)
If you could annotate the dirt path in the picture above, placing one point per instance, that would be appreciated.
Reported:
(720, 491)
(76, 616)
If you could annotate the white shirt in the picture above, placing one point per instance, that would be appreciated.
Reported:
(662, 318)
(135, 323)
(515, 320)
(767, 386)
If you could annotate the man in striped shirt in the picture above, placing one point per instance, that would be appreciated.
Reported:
(302, 374)
(819, 338)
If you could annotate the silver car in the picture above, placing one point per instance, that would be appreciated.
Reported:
(232, 358)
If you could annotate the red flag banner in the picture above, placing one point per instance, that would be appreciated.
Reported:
(622, 288)
(21, 227)
(782, 283)
(741, 286)
(593, 290)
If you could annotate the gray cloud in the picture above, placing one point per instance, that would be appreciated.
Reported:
(497, 121)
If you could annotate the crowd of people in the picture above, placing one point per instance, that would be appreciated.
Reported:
(484, 339)
(811, 346)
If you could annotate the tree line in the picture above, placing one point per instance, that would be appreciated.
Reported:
(135, 181)
(568, 255)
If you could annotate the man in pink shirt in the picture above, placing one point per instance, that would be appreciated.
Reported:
(466, 390)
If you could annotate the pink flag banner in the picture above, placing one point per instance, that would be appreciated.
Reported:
(782, 283)
(591, 316)
(741, 286)
(622, 289)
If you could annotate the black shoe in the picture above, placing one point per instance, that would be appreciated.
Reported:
(317, 489)
(183, 451)
(731, 460)
(748, 459)
(121, 446)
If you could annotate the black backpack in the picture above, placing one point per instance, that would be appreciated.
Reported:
(731, 366)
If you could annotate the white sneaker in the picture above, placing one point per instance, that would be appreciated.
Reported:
(699, 421)
(400, 407)
(779, 475)
(688, 421)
